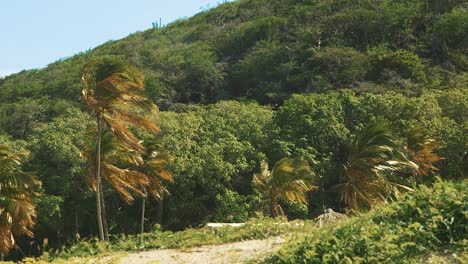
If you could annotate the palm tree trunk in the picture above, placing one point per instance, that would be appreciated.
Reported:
(321, 193)
(272, 208)
(160, 210)
(98, 180)
(272, 198)
(103, 215)
(143, 207)
(77, 229)
(58, 239)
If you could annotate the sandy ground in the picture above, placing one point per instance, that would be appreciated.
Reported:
(238, 252)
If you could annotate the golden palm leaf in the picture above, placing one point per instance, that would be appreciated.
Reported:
(289, 179)
(421, 150)
(373, 154)
(156, 172)
(17, 188)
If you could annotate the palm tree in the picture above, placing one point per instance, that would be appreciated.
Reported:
(156, 173)
(373, 153)
(289, 179)
(420, 149)
(117, 161)
(111, 91)
(117, 165)
(17, 211)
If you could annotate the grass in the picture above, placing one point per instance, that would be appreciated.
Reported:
(253, 229)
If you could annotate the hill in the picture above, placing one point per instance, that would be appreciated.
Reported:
(245, 82)
(267, 50)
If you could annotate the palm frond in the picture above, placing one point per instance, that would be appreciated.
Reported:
(289, 178)
(124, 180)
(111, 77)
(421, 150)
(123, 133)
(373, 154)
(17, 188)
(156, 172)
(135, 120)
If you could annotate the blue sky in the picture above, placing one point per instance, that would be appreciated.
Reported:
(35, 33)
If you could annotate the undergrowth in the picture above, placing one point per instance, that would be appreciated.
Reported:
(430, 222)
(159, 239)
(430, 225)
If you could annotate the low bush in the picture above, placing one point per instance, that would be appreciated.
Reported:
(232, 207)
(429, 221)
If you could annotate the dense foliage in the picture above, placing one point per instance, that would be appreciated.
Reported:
(411, 230)
(248, 81)
(266, 50)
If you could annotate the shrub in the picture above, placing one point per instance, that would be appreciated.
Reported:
(428, 221)
(341, 66)
(452, 27)
(405, 63)
(232, 207)
(294, 210)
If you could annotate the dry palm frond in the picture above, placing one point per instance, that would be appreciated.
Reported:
(135, 120)
(156, 172)
(123, 133)
(420, 148)
(111, 90)
(17, 188)
(124, 180)
(289, 179)
(373, 153)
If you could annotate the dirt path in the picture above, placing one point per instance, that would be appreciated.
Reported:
(238, 252)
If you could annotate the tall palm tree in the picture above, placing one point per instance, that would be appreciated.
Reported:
(17, 211)
(117, 168)
(289, 179)
(373, 153)
(420, 149)
(111, 90)
(128, 171)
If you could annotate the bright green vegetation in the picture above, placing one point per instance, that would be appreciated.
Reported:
(158, 239)
(246, 82)
(267, 50)
(431, 221)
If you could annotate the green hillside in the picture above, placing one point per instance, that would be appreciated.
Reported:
(267, 50)
(246, 82)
